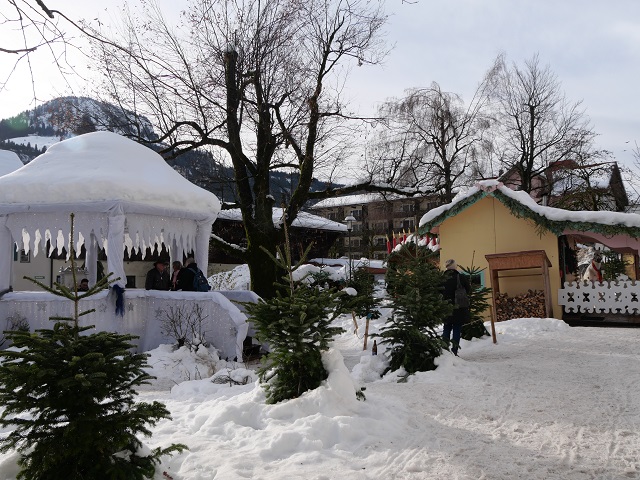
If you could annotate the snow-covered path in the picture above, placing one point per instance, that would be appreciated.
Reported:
(564, 405)
(548, 402)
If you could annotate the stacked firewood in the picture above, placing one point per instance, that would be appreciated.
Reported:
(525, 305)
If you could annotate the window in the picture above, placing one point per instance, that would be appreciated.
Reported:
(25, 257)
(477, 280)
(408, 208)
(408, 224)
(381, 241)
(378, 226)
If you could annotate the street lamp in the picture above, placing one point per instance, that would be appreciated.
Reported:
(349, 221)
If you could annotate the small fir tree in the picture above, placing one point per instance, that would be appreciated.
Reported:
(478, 304)
(613, 265)
(415, 287)
(70, 396)
(296, 324)
(364, 304)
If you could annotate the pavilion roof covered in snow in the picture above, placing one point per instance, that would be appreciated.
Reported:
(103, 167)
(122, 194)
(521, 205)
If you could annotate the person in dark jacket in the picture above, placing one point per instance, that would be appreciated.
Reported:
(158, 277)
(189, 274)
(453, 323)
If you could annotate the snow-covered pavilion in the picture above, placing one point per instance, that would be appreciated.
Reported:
(122, 195)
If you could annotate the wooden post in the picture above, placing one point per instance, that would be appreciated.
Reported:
(355, 323)
(366, 333)
(495, 290)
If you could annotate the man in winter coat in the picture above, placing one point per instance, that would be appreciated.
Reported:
(453, 323)
(158, 277)
(593, 272)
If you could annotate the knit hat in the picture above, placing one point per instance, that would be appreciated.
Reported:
(451, 264)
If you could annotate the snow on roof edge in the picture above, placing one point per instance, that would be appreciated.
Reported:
(303, 220)
(551, 213)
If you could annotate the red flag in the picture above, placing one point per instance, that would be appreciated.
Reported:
(432, 244)
(388, 245)
(395, 242)
(404, 236)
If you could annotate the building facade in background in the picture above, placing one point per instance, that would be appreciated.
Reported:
(378, 218)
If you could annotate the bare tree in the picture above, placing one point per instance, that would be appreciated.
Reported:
(537, 124)
(593, 186)
(433, 140)
(632, 179)
(257, 80)
(29, 28)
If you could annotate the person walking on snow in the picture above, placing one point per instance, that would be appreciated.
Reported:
(453, 323)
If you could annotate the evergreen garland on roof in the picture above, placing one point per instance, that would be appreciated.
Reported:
(556, 227)
(542, 223)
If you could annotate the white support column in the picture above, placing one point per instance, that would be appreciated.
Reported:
(173, 254)
(115, 248)
(92, 258)
(203, 235)
(6, 255)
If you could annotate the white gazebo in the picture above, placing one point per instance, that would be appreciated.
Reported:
(122, 194)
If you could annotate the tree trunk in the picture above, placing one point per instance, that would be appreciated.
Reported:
(264, 274)
(262, 235)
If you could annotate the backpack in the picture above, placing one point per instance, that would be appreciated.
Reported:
(200, 283)
(461, 295)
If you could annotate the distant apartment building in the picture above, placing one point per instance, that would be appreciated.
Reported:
(377, 217)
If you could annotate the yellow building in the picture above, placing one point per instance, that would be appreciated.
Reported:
(492, 223)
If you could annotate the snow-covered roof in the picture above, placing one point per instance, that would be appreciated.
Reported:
(303, 220)
(9, 162)
(582, 220)
(347, 200)
(104, 167)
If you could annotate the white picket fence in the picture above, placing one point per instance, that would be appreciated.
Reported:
(620, 296)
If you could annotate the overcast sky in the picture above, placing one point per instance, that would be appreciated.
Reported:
(592, 46)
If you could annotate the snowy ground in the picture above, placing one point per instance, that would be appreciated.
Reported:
(546, 402)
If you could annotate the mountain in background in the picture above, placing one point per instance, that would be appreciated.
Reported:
(31, 132)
